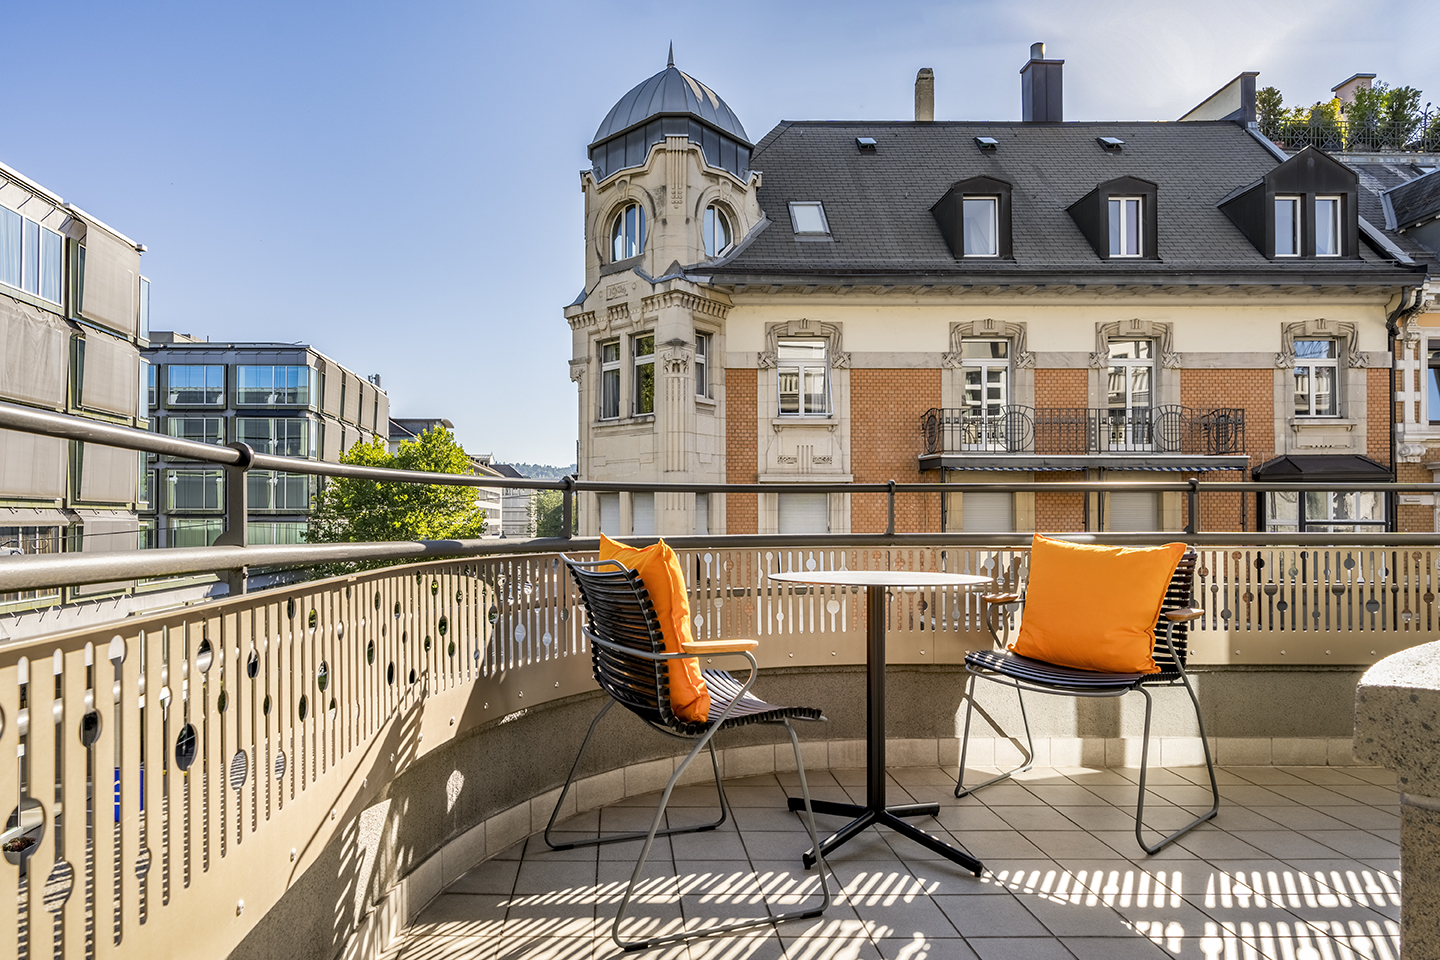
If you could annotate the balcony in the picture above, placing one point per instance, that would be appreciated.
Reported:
(358, 766)
(1072, 438)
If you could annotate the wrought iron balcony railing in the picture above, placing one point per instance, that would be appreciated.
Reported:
(1419, 133)
(1081, 430)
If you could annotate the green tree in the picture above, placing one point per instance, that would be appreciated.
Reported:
(1382, 116)
(1269, 111)
(549, 507)
(361, 511)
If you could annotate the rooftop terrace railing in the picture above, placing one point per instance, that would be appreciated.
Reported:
(1417, 134)
(176, 774)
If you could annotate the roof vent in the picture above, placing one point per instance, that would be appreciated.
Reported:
(865, 144)
(1111, 144)
(986, 143)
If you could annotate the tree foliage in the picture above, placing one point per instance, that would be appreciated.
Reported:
(360, 511)
(549, 507)
(1378, 118)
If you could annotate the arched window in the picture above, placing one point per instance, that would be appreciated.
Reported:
(717, 232)
(627, 235)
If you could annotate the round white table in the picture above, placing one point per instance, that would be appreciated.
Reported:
(875, 810)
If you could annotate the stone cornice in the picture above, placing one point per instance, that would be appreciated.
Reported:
(683, 298)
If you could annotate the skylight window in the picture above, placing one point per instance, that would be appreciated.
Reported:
(807, 217)
(986, 143)
(1111, 144)
(865, 144)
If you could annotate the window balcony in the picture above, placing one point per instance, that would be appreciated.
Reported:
(1022, 437)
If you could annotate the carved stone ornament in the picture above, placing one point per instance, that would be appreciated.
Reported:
(1025, 360)
(1410, 452)
(951, 361)
(766, 360)
(1163, 335)
(840, 361)
(803, 328)
(1320, 329)
(1171, 361)
(988, 329)
(1359, 359)
(1099, 361)
(676, 360)
(578, 368)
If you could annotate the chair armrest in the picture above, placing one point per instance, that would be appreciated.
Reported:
(702, 648)
(1000, 598)
(1184, 615)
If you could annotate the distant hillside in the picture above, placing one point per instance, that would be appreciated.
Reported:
(542, 471)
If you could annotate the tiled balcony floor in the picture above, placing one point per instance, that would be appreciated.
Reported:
(1302, 863)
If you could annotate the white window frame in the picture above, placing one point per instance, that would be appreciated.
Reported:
(1124, 229)
(715, 216)
(800, 366)
(1297, 231)
(703, 385)
(987, 431)
(1128, 433)
(799, 209)
(994, 203)
(624, 246)
(609, 374)
(1311, 364)
(1334, 223)
(32, 263)
(638, 361)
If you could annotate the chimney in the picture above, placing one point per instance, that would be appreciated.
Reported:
(925, 95)
(1041, 89)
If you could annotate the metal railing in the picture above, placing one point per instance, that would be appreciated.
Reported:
(1079, 430)
(1417, 134)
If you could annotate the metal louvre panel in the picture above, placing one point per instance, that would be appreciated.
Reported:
(804, 513)
(988, 512)
(1134, 510)
(33, 361)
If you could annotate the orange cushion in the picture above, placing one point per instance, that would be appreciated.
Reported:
(659, 570)
(1095, 607)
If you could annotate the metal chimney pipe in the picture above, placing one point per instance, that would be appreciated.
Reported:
(1041, 88)
(925, 95)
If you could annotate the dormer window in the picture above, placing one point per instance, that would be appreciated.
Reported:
(807, 217)
(627, 233)
(1125, 229)
(716, 231)
(1119, 219)
(1287, 226)
(982, 231)
(1327, 226)
(974, 218)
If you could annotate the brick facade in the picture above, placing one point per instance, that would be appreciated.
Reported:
(1377, 410)
(1253, 390)
(741, 511)
(1060, 512)
(885, 444)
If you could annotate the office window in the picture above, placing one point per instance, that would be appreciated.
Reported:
(985, 366)
(1125, 240)
(278, 436)
(144, 309)
(802, 376)
(627, 233)
(199, 429)
(1324, 511)
(982, 230)
(1287, 226)
(151, 401)
(195, 386)
(32, 257)
(610, 380)
(272, 491)
(29, 541)
(1327, 226)
(716, 231)
(193, 533)
(643, 349)
(702, 365)
(1129, 395)
(1316, 370)
(272, 386)
(194, 489)
(283, 533)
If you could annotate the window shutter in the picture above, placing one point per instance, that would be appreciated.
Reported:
(802, 513)
(702, 514)
(1134, 510)
(988, 512)
(642, 514)
(609, 513)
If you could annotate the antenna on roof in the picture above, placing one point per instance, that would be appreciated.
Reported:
(671, 63)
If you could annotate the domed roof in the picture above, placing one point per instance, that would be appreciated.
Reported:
(669, 93)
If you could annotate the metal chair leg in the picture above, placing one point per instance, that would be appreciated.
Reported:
(1144, 765)
(727, 927)
(634, 835)
(960, 789)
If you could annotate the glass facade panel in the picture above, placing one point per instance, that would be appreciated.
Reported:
(193, 533)
(272, 386)
(199, 429)
(30, 541)
(194, 489)
(10, 247)
(278, 436)
(196, 386)
(270, 490)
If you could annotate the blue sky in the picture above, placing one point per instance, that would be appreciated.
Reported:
(398, 184)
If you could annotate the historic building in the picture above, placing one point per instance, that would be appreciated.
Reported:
(932, 301)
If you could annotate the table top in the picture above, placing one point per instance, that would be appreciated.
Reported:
(881, 578)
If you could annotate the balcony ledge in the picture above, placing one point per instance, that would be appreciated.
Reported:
(988, 460)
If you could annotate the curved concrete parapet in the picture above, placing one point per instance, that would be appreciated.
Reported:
(1397, 725)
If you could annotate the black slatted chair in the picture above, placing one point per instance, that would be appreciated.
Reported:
(1036, 676)
(631, 665)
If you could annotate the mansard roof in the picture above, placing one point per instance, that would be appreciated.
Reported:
(878, 204)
